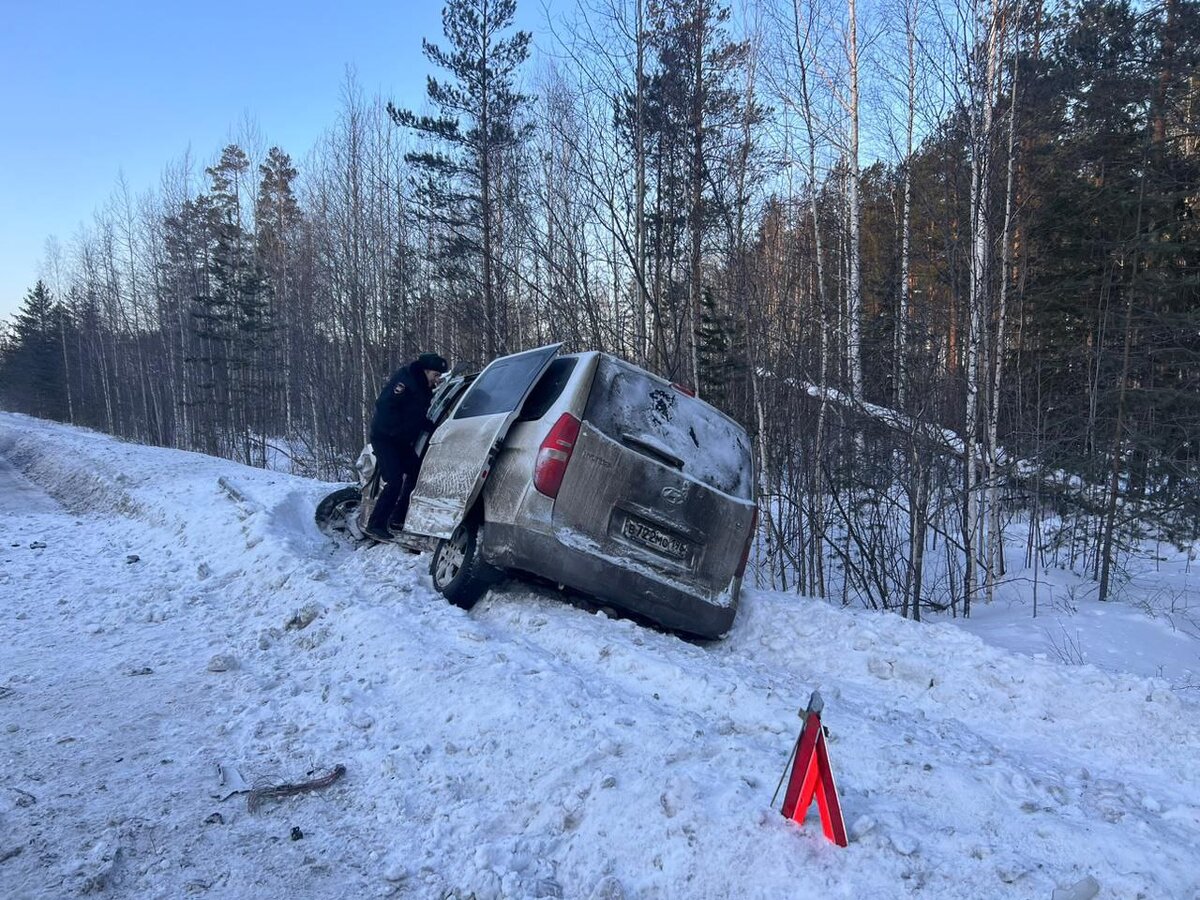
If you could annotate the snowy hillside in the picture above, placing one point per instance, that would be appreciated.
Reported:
(170, 613)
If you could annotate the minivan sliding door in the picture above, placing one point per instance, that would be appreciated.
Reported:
(462, 450)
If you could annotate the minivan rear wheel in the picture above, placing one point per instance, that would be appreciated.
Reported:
(458, 572)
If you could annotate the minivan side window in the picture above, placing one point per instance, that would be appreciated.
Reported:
(548, 388)
(447, 394)
(501, 387)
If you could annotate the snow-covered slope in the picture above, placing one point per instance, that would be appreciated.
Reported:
(184, 613)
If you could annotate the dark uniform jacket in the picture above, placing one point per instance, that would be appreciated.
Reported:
(401, 412)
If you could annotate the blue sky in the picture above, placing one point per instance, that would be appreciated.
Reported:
(91, 89)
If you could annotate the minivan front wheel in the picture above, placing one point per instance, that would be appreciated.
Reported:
(336, 511)
(459, 574)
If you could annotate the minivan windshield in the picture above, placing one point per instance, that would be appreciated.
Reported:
(648, 415)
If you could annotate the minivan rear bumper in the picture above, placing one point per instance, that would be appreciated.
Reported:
(570, 563)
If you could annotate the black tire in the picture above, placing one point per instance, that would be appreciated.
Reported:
(458, 572)
(336, 510)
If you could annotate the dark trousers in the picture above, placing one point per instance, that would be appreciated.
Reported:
(398, 467)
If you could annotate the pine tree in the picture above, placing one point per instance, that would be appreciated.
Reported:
(239, 302)
(31, 369)
(477, 126)
(278, 222)
(188, 324)
(687, 120)
(721, 353)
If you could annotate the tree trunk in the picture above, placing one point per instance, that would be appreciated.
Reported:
(639, 240)
(903, 300)
(981, 120)
(696, 225)
(995, 566)
(853, 262)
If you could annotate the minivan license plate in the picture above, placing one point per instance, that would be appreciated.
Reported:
(654, 538)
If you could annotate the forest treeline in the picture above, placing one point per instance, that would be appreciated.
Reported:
(939, 256)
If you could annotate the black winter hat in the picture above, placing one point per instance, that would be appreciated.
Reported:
(433, 362)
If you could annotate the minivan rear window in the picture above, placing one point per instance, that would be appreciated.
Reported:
(646, 414)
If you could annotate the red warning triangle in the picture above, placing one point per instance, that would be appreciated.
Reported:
(813, 777)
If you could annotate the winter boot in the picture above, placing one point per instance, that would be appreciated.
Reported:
(375, 533)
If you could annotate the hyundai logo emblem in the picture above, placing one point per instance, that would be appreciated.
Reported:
(673, 495)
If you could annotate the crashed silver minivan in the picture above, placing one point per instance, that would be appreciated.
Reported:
(594, 474)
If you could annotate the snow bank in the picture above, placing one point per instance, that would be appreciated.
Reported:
(183, 613)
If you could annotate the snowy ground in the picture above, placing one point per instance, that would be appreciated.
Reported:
(161, 627)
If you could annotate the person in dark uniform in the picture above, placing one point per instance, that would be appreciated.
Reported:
(401, 415)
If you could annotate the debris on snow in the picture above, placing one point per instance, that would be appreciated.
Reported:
(279, 791)
(229, 782)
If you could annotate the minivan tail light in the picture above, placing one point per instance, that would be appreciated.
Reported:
(683, 389)
(741, 569)
(554, 454)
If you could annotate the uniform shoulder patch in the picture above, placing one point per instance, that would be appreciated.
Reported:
(398, 389)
